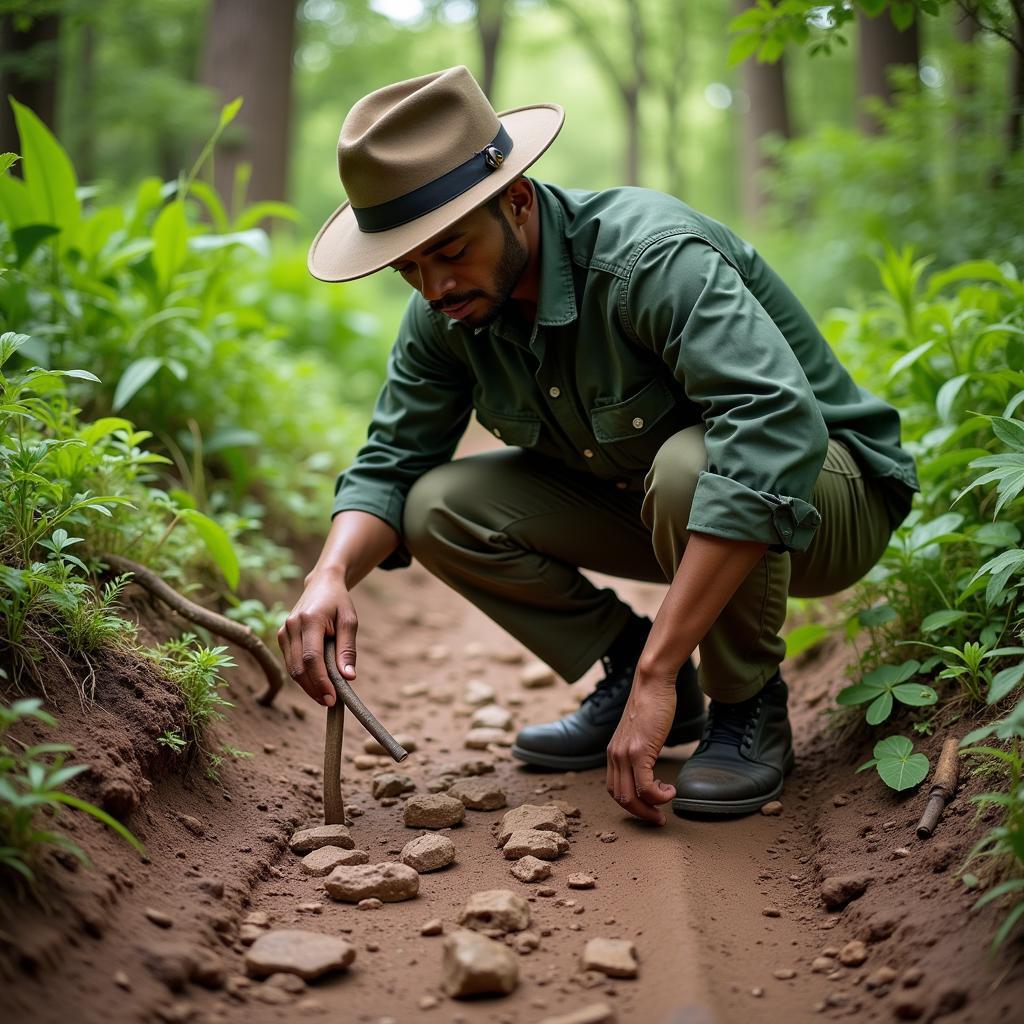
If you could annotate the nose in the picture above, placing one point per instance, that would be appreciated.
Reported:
(435, 284)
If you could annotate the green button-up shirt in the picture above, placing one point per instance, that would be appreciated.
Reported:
(651, 317)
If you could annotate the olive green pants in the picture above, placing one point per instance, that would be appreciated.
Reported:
(510, 530)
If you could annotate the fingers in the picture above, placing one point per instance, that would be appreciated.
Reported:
(345, 641)
(631, 784)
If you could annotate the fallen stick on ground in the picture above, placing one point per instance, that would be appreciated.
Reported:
(944, 783)
(334, 804)
(236, 632)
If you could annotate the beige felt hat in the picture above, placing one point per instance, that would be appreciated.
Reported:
(417, 156)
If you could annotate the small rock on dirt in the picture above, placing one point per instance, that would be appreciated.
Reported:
(595, 1013)
(839, 890)
(428, 853)
(478, 693)
(492, 716)
(884, 975)
(159, 918)
(784, 973)
(476, 965)
(530, 869)
(908, 1006)
(530, 842)
(501, 909)
(772, 809)
(390, 784)
(853, 954)
(387, 881)
(294, 951)
(581, 881)
(371, 746)
(435, 926)
(543, 817)
(479, 794)
(433, 810)
(536, 675)
(309, 839)
(482, 737)
(614, 957)
(607, 837)
(327, 858)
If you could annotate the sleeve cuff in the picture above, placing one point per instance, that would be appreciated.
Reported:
(725, 507)
(385, 504)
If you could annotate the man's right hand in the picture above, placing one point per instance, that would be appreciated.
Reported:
(325, 609)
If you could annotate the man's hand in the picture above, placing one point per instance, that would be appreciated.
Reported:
(635, 747)
(325, 608)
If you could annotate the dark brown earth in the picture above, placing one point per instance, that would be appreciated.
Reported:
(691, 895)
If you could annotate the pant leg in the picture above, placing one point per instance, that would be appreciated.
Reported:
(510, 530)
(743, 648)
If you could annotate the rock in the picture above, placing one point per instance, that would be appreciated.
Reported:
(327, 858)
(371, 746)
(908, 1006)
(607, 837)
(530, 869)
(479, 794)
(950, 999)
(508, 655)
(212, 886)
(427, 1002)
(543, 817)
(390, 784)
(121, 980)
(772, 809)
(248, 934)
(492, 716)
(526, 942)
(784, 973)
(159, 918)
(881, 925)
(258, 918)
(478, 693)
(386, 881)
(428, 853)
(475, 965)
(853, 954)
(531, 843)
(364, 762)
(309, 839)
(595, 1013)
(613, 957)
(501, 909)
(911, 976)
(473, 767)
(581, 881)
(294, 951)
(839, 890)
(481, 738)
(822, 964)
(771, 912)
(208, 970)
(172, 965)
(535, 675)
(288, 982)
(884, 975)
(370, 903)
(433, 810)
(569, 810)
(435, 926)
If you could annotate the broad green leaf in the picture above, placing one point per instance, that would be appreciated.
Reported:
(877, 616)
(947, 396)
(917, 695)
(1003, 682)
(941, 619)
(879, 709)
(135, 376)
(803, 638)
(859, 693)
(899, 767)
(1000, 535)
(908, 359)
(29, 237)
(252, 215)
(1010, 432)
(229, 110)
(217, 543)
(7, 161)
(170, 242)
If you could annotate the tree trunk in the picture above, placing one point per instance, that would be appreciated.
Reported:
(1016, 111)
(30, 74)
(248, 53)
(490, 17)
(768, 113)
(881, 45)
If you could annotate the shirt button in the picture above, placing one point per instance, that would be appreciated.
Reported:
(588, 453)
(554, 392)
(638, 422)
(497, 432)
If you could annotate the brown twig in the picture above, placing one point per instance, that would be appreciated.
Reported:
(227, 628)
(944, 783)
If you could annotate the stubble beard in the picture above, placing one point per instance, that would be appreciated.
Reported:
(510, 268)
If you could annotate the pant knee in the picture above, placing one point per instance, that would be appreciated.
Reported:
(672, 479)
(426, 504)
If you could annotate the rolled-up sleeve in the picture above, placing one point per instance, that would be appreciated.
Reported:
(420, 414)
(765, 436)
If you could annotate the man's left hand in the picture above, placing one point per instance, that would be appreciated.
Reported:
(635, 747)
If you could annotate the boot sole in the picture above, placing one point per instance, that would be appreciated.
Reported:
(725, 807)
(686, 732)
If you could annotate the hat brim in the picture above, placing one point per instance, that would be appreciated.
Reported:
(341, 252)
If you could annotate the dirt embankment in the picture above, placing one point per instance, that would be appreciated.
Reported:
(727, 917)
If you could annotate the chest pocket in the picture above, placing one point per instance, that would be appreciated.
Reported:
(519, 428)
(631, 431)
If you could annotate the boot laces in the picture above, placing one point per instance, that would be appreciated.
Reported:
(610, 687)
(732, 723)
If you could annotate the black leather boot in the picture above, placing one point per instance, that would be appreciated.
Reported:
(580, 740)
(742, 758)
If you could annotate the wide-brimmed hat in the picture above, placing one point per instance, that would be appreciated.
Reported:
(415, 157)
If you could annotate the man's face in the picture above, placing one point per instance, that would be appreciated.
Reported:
(469, 270)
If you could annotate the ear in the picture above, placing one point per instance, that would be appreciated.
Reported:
(521, 199)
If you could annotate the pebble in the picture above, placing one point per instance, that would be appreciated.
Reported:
(370, 903)
(771, 912)
(364, 762)
(908, 1006)
(615, 958)
(387, 881)
(309, 839)
(840, 800)
(435, 926)
(492, 716)
(594, 1013)
(536, 675)
(607, 837)
(853, 954)
(821, 964)
(479, 794)
(581, 881)
(327, 858)
(159, 918)
(508, 656)
(248, 934)
(473, 964)
(568, 809)
(884, 975)
(294, 951)
(784, 973)
(911, 976)
(427, 1002)
(530, 842)
(390, 784)
(433, 810)
(526, 942)
(839, 890)
(122, 981)
(428, 853)
(371, 746)
(499, 909)
(900, 852)
(289, 982)
(482, 737)
(542, 817)
(478, 693)
(772, 809)
(530, 869)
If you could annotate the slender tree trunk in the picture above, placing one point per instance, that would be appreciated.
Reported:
(248, 53)
(881, 45)
(29, 72)
(966, 29)
(490, 17)
(1016, 111)
(631, 93)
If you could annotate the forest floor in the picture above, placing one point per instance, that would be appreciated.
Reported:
(727, 917)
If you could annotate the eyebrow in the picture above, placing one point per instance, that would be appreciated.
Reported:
(438, 245)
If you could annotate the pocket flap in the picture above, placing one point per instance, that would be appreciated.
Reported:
(633, 416)
(520, 428)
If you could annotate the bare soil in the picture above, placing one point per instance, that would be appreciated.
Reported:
(715, 908)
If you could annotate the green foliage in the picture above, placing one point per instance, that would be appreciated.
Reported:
(196, 671)
(32, 781)
(886, 684)
(897, 764)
